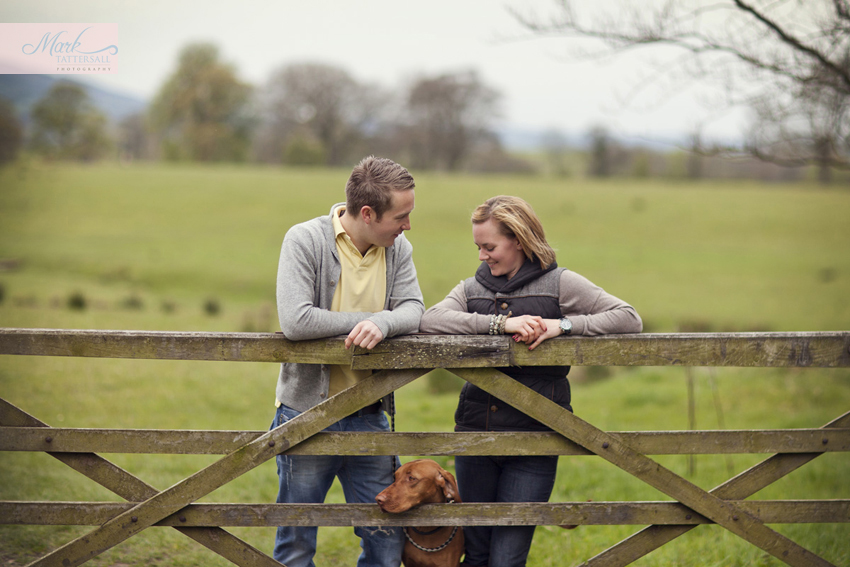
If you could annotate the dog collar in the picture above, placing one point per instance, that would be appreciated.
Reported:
(430, 549)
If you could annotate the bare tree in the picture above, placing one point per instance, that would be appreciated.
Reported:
(318, 103)
(694, 164)
(446, 116)
(601, 152)
(789, 61)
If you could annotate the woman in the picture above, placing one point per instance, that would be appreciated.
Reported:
(518, 289)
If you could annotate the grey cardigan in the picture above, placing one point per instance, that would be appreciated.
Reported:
(307, 276)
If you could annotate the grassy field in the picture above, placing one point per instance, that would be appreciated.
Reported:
(190, 248)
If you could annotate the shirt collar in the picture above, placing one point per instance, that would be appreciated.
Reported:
(338, 228)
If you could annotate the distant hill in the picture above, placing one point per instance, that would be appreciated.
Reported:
(24, 90)
(521, 139)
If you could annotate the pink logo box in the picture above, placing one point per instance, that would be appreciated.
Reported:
(58, 49)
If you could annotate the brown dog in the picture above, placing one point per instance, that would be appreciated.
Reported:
(420, 482)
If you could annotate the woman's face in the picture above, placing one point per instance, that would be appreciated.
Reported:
(502, 253)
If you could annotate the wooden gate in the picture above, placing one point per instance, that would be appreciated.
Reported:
(398, 362)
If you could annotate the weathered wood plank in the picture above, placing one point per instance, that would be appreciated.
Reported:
(248, 457)
(438, 351)
(238, 347)
(214, 442)
(466, 514)
(618, 453)
(810, 349)
(742, 486)
(133, 489)
(817, 349)
(698, 349)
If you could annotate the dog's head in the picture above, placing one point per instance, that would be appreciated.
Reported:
(418, 482)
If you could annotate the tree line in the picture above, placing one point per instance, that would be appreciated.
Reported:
(787, 63)
(305, 114)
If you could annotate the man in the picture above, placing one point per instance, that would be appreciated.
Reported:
(350, 273)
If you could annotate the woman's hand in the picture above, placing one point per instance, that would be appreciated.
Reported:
(552, 330)
(525, 328)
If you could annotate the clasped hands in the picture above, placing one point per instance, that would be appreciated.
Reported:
(531, 329)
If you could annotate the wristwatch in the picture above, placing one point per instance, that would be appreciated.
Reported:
(566, 326)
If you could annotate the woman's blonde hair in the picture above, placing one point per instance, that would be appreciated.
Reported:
(516, 219)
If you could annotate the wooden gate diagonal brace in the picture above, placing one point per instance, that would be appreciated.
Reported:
(226, 469)
(133, 489)
(613, 450)
(737, 488)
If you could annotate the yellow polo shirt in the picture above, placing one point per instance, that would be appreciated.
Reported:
(362, 287)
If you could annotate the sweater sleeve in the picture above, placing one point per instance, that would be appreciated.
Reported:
(592, 310)
(450, 317)
(405, 304)
(297, 281)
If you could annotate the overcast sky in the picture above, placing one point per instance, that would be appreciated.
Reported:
(388, 42)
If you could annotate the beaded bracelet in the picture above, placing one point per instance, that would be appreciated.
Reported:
(497, 324)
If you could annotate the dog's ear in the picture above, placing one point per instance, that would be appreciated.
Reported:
(447, 482)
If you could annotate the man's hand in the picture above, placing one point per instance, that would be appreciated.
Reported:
(365, 334)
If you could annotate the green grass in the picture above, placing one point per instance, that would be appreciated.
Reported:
(148, 245)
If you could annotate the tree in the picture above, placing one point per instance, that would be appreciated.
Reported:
(694, 164)
(201, 112)
(316, 104)
(303, 151)
(556, 148)
(446, 116)
(67, 126)
(601, 152)
(11, 132)
(787, 61)
(133, 137)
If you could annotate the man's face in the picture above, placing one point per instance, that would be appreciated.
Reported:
(394, 221)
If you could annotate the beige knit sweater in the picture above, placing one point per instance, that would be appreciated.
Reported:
(590, 308)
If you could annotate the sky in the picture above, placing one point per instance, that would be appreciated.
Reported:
(544, 85)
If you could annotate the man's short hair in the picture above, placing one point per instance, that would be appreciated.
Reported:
(372, 182)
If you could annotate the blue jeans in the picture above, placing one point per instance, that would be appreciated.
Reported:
(307, 479)
(503, 479)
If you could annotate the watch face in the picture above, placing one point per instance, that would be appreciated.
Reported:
(566, 325)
